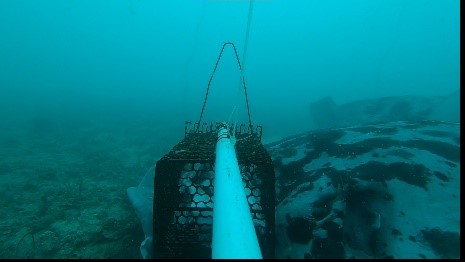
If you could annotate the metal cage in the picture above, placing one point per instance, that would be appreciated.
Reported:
(183, 192)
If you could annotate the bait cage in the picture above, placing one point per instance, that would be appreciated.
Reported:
(183, 192)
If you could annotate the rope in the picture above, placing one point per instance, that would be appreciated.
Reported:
(211, 78)
(247, 31)
(242, 69)
(244, 57)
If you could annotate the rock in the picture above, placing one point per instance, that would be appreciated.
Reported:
(326, 114)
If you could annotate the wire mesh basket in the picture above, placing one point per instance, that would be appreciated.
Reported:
(183, 193)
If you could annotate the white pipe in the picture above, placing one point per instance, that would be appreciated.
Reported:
(233, 230)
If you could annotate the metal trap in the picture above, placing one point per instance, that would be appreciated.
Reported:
(183, 193)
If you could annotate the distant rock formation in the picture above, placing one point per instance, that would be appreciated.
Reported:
(326, 114)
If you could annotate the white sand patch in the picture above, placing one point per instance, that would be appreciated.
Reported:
(352, 137)
(293, 207)
(277, 146)
(301, 152)
(402, 134)
(386, 156)
(433, 208)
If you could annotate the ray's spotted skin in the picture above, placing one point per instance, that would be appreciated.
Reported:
(380, 190)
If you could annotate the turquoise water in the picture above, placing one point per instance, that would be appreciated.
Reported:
(93, 92)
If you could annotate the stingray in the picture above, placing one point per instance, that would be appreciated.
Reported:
(141, 198)
(366, 189)
(350, 189)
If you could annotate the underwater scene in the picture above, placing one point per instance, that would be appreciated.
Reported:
(230, 129)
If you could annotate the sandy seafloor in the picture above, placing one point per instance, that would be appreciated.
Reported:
(63, 186)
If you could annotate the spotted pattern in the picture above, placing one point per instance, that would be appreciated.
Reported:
(367, 191)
